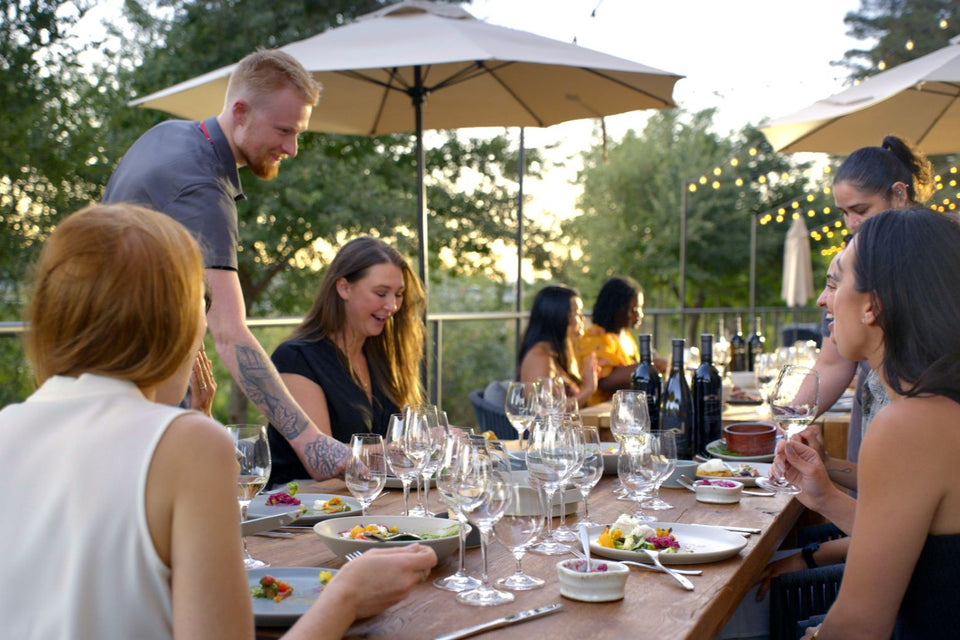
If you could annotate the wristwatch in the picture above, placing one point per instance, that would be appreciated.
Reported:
(808, 552)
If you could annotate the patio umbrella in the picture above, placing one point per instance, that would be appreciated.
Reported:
(797, 269)
(422, 65)
(917, 100)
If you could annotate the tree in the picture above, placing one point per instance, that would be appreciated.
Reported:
(631, 207)
(894, 24)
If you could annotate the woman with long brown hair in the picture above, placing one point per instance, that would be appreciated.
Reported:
(355, 358)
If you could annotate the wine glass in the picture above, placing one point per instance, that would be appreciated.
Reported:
(517, 528)
(664, 462)
(590, 471)
(521, 405)
(551, 457)
(437, 432)
(484, 497)
(629, 418)
(793, 400)
(406, 446)
(563, 533)
(366, 470)
(448, 485)
(553, 394)
(253, 467)
(636, 470)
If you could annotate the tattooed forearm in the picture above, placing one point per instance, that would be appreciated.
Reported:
(262, 385)
(326, 457)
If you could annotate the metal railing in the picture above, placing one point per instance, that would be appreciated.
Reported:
(498, 348)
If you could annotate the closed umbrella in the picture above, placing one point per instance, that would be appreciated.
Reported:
(797, 286)
(422, 65)
(918, 100)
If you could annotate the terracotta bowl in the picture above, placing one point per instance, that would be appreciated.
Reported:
(750, 438)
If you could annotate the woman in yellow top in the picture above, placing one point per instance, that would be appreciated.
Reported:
(618, 311)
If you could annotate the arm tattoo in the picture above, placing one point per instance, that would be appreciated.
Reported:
(325, 457)
(262, 385)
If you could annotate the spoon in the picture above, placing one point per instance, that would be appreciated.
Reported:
(685, 483)
(585, 541)
(642, 565)
(655, 556)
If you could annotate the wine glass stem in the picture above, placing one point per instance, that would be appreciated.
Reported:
(586, 507)
(406, 496)
(462, 568)
(426, 494)
(548, 511)
(563, 509)
(484, 534)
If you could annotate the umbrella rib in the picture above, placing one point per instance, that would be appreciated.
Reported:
(389, 86)
(506, 88)
(627, 85)
(934, 121)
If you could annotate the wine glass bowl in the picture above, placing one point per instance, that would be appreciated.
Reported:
(366, 471)
(252, 450)
(517, 528)
(794, 400)
(406, 447)
(522, 405)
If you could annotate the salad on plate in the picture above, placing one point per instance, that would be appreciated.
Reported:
(629, 534)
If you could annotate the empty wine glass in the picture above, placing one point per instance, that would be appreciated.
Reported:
(551, 457)
(564, 533)
(437, 430)
(253, 467)
(793, 400)
(484, 497)
(448, 485)
(629, 418)
(521, 405)
(591, 469)
(664, 462)
(517, 528)
(406, 446)
(553, 394)
(637, 472)
(366, 470)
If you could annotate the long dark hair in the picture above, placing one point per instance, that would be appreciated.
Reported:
(549, 320)
(396, 353)
(909, 261)
(875, 169)
(614, 303)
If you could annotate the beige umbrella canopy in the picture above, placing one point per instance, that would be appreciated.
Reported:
(917, 100)
(420, 65)
(797, 268)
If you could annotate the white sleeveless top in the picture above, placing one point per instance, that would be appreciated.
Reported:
(78, 561)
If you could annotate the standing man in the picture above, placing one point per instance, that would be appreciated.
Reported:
(188, 170)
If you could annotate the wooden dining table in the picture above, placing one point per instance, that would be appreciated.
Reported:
(654, 606)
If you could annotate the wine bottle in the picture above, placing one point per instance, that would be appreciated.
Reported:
(721, 348)
(676, 411)
(646, 378)
(707, 399)
(738, 349)
(755, 344)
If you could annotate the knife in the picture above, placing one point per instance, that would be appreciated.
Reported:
(259, 525)
(501, 622)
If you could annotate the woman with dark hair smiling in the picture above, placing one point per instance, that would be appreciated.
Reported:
(617, 311)
(896, 305)
(547, 348)
(355, 358)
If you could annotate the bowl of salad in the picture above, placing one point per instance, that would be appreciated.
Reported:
(360, 533)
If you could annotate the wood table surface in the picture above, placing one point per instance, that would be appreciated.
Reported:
(654, 605)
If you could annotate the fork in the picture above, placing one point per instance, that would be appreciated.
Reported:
(353, 555)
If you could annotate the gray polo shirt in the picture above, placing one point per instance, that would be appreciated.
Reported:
(186, 170)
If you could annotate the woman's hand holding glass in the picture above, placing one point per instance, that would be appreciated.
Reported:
(794, 401)
(366, 470)
(253, 467)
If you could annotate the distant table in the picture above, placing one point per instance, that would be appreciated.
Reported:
(654, 606)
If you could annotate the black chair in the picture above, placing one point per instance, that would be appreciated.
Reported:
(799, 596)
(793, 333)
(491, 417)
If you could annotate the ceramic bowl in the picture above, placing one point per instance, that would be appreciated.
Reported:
(329, 531)
(604, 582)
(743, 379)
(750, 438)
(718, 490)
(684, 468)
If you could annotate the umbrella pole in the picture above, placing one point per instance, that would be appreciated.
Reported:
(519, 300)
(417, 95)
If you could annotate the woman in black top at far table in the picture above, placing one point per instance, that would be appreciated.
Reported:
(355, 358)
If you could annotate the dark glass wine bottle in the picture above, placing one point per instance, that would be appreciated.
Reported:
(646, 378)
(755, 344)
(707, 399)
(738, 349)
(676, 412)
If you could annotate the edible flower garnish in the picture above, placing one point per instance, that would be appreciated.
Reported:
(333, 505)
(629, 535)
(272, 588)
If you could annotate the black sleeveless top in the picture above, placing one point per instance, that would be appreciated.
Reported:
(930, 606)
(350, 410)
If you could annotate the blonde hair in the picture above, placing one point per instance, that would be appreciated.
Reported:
(394, 355)
(117, 292)
(266, 71)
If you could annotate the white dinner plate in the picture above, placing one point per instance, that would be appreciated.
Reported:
(306, 589)
(705, 544)
(259, 508)
(763, 470)
(717, 450)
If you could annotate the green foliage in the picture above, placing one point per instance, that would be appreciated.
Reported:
(893, 23)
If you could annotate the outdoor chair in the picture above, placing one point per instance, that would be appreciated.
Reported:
(491, 417)
(790, 334)
(797, 597)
